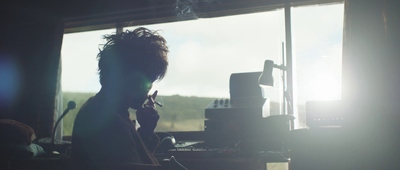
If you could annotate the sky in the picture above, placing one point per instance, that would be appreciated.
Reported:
(205, 52)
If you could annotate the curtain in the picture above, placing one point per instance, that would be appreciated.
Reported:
(371, 82)
(31, 39)
(371, 55)
(58, 110)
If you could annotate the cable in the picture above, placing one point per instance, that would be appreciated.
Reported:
(173, 158)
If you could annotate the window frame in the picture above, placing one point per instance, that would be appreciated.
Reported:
(91, 23)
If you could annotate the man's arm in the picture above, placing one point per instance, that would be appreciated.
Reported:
(147, 118)
(151, 141)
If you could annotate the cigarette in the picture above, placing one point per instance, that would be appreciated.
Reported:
(152, 101)
(153, 97)
(158, 104)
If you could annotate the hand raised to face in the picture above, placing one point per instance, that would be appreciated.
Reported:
(147, 118)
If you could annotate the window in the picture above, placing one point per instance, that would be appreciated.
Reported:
(203, 55)
(317, 33)
(79, 78)
(205, 52)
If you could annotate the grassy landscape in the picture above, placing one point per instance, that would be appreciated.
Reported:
(179, 113)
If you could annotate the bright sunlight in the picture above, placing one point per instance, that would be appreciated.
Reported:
(325, 87)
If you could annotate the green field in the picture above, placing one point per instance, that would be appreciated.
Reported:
(179, 113)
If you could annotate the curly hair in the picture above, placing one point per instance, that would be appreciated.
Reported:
(140, 50)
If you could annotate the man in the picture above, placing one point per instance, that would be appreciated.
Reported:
(104, 137)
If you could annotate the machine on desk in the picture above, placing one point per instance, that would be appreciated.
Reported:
(201, 150)
(243, 122)
(239, 132)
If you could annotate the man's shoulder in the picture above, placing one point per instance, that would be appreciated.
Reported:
(90, 115)
(89, 107)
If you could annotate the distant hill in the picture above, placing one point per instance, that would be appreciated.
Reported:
(179, 113)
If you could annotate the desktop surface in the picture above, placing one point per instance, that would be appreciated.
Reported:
(198, 155)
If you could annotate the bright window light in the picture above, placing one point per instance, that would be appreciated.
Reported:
(205, 52)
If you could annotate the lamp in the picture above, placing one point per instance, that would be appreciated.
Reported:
(266, 79)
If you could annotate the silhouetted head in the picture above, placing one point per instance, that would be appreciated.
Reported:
(131, 61)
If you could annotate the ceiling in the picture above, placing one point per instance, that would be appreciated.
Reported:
(84, 15)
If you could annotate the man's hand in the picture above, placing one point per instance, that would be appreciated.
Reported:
(147, 118)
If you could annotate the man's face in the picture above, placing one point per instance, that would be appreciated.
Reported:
(137, 89)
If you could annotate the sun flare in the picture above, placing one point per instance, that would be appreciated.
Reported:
(325, 87)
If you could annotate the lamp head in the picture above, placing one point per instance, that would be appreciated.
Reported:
(266, 78)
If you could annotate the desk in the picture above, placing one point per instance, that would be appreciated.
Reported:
(204, 161)
(375, 145)
(45, 163)
(222, 163)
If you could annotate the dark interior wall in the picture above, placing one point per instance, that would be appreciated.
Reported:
(31, 43)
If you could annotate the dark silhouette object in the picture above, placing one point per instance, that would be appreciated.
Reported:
(71, 105)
